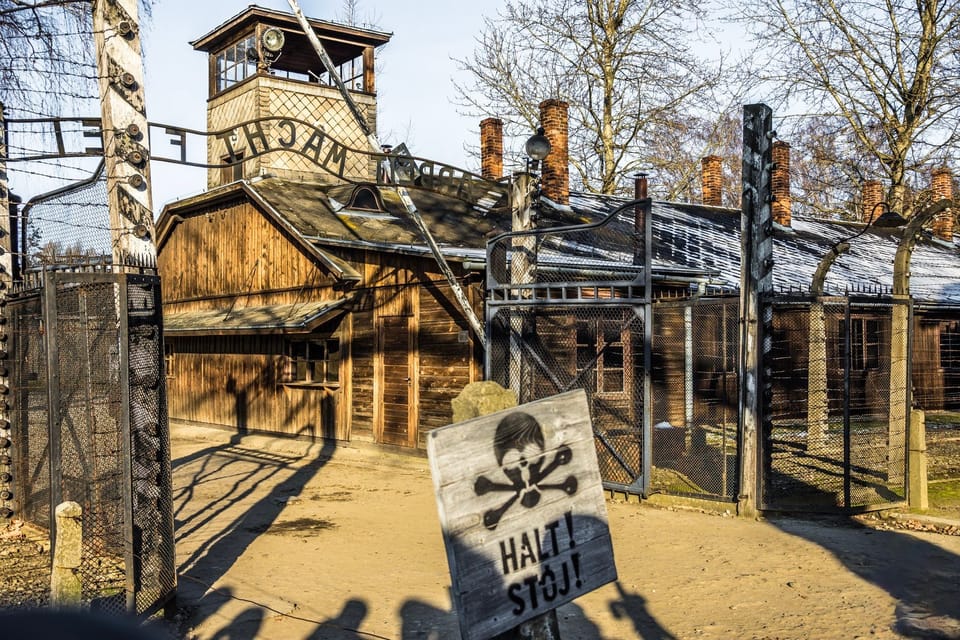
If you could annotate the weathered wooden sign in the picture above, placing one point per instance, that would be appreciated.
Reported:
(523, 514)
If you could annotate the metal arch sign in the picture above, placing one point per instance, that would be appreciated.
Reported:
(521, 504)
(262, 136)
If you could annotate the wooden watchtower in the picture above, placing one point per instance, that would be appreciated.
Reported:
(261, 66)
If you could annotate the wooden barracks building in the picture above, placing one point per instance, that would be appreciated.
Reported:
(299, 297)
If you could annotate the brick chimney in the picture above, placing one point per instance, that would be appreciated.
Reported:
(872, 196)
(711, 178)
(782, 204)
(556, 166)
(942, 187)
(491, 148)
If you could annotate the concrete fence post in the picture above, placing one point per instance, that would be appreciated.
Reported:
(65, 587)
(917, 462)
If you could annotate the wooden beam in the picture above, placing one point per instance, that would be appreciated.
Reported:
(756, 285)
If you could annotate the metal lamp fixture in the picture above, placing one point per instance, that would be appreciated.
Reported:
(272, 41)
(537, 148)
(889, 219)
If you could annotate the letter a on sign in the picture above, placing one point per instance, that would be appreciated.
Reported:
(523, 513)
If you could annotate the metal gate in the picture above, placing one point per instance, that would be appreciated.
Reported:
(567, 308)
(89, 418)
(839, 404)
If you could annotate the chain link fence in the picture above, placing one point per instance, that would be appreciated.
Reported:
(695, 390)
(936, 391)
(88, 412)
(67, 227)
(838, 411)
(539, 352)
(90, 419)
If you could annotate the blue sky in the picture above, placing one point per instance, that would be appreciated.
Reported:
(414, 85)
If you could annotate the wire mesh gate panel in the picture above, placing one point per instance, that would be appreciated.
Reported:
(91, 427)
(836, 434)
(695, 397)
(566, 308)
(542, 351)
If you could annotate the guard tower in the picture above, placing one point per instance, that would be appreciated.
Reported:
(261, 65)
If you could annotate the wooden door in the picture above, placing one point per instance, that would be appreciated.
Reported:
(396, 403)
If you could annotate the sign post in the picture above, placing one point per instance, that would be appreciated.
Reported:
(522, 509)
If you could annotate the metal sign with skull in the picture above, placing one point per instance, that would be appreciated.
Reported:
(522, 508)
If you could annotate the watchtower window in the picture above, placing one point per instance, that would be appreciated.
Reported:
(350, 72)
(233, 64)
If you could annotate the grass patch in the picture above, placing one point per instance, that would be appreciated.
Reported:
(944, 497)
(948, 418)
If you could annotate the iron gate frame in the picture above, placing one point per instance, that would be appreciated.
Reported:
(630, 292)
(147, 523)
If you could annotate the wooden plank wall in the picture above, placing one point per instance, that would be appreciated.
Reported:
(235, 251)
(928, 374)
(446, 350)
(235, 382)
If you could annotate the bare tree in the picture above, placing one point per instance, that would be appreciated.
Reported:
(888, 70)
(624, 66)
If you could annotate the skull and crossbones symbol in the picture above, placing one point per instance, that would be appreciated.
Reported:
(518, 446)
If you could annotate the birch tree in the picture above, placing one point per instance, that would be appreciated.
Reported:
(625, 67)
(888, 70)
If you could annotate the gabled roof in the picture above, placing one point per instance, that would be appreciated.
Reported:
(694, 241)
(319, 213)
(173, 214)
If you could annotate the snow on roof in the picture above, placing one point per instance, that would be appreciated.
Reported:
(708, 239)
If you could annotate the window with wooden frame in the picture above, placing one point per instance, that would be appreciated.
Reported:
(313, 362)
(950, 345)
(600, 347)
(865, 343)
(233, 65)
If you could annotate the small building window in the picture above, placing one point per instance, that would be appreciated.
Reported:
(865, 335)
(233, 64)
(950, 345)
(600, 347)
(314, 362)
(365, 199)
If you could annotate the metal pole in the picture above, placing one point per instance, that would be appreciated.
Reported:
(6, 281)
(847, 363)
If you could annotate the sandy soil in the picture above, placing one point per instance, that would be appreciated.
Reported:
(281, 539)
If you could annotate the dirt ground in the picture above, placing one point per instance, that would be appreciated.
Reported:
(289, 540)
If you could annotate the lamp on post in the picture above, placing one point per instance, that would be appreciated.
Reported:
(537, 148)
(889, 219)
(527, 198)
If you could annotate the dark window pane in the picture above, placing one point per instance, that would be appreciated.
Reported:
(613, 357)
(612, 380)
